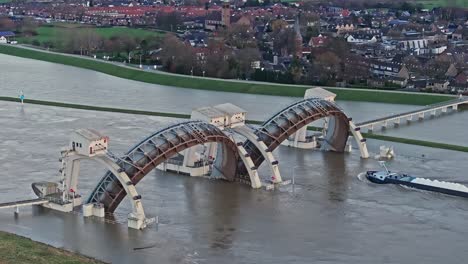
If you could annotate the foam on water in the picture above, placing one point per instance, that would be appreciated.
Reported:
(441, 184)
(361, 176)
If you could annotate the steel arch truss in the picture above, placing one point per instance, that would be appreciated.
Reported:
(157, 148)
(297, 115)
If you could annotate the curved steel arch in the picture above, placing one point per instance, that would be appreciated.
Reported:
(157, 148)
(292, 118)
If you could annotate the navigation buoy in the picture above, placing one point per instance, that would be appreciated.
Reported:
(21, 97)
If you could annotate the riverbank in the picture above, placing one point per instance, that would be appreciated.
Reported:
(417, 142)
(255, 122)
(16, 249)
(212, 84)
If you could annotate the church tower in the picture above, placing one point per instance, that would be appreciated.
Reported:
(226, 14)
(298, 39)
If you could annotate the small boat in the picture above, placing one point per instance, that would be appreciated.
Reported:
(388, 177)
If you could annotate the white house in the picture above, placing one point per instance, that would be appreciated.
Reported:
(361, 39)
(6, 36)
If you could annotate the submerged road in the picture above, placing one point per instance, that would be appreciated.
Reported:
(331, 216)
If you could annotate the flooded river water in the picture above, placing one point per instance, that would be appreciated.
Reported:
(55, 82)
(330, 216)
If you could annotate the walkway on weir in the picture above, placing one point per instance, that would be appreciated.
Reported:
(17, 204)
(396, 118)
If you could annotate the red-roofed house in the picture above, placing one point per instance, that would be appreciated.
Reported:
(317, 41)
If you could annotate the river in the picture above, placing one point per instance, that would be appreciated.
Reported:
(55, 82)
(330, 216)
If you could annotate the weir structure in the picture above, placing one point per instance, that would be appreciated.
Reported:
(160, 146)
(64, 195)
(235, 152)
(292, 119)
(234, 159)
(301, 139)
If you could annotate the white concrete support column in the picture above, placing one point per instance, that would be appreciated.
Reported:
(433, 113)
(410, 118)
(269, 158)
(212, 147)
(136, 219)
(444, 110)
(250, 166)
(189, 157)
(455, 107)
(370, 128)
(300, 136)
(349, 146)
(71, 173)
(360, 140)
(396, 122)
(384, 124)
(421, 115)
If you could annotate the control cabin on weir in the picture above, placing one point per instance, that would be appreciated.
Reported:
(222, 116)
(89, 142)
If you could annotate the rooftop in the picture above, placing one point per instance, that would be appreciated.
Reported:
(229, 108)
(6, 34)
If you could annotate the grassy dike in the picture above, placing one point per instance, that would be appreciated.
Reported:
(220, 85)
(15, 249)
(416, 142)
(186, 116)
(95, 108)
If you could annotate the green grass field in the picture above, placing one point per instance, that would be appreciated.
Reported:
(220, 85)
(15, 249)
(51, 33)
(443, 3)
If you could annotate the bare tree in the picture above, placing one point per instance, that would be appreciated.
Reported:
(7, 24)
(177, 56)
(328, 65)
(245, 58)
(284, 42)
(239, 36)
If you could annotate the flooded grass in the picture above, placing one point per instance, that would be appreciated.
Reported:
(254, 122)
(223, 85)
(417, 142)
(16, 249)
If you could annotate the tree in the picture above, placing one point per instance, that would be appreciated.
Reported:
(27, 27)
(168, 21)
(239, 36)
(244, 59)
(129, 44)
(82, 41)
(296, 70)
(177, 56)
(277, 25)
(7, 24)
(327, 65)
(284, 42)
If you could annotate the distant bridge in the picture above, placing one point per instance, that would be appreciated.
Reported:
(410, 115)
